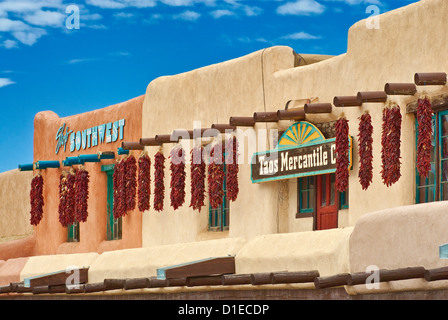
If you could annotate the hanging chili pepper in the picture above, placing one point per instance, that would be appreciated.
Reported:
(232, 168)
(390, 145)
(342, 150)
(82, 194)
(159, 186)
(130, 168)
(119, 208)
(177, 185)
(424, 138)
(70, 197)
(36, 199)
(216, 176)
(197, 178)
(62, 198)
(144, 181)
(365, 142)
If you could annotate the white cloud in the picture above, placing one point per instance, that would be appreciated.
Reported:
(75, 61)
(29, 37)
(300, 36)
(221, 13)
(45, 18)
(187, 15)
(8, 25)
(9, 44)
(301, 7)
(252, 11)
(5, 82)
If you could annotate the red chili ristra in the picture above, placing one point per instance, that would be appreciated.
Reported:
(119, 208)
(82, 194)
(342, 150)
(216, 176)
(365, 152)
(130, 182)
(144, 182)
(36, 199)
(232, 168)
(197, 182)
(424, 138)
(390, 145)
(159, 186)
(177, 185)
(62, 199)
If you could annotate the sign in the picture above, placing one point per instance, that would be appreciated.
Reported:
(299, 161)
(91, 137)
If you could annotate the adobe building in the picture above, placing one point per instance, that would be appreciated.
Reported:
(289, 221)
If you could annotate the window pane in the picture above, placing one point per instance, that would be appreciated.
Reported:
(444, 124)
(323, 188)
(444, 173)
(332, 188)
(426, 194)
(444, 191)
(304, 199)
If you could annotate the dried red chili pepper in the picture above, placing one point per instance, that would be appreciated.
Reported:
(66, 198)
(216, 176)
(144, 181)
(197, 182)
(71, 194)
(62, 198)
(342, 150)
(365, 152)
(390, 145)
(232, 168)
(130, 168)
(82, 194)
(159, 186)
(36, 199)
(424, 138)
(119, 208)
(177, 185)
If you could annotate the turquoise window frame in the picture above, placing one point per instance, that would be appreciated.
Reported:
(440, 154)
(426, 187)
(310, 209)
(113, 226)
(73, 232)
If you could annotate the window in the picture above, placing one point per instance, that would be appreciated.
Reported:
(73, 232)
(435, 186)
(306, 195)
(219, 218)
(114, 226)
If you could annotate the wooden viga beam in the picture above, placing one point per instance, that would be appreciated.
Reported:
(371, 96)
(318, 108)
(132, 146)
(430, 79)
(266, 116)
(404, 89)
(297, 115)
(346, 101)
(242, 121)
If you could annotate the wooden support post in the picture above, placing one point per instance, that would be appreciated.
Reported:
(294, 277)
(265, 116)
(177, 282)
(402, 274)
(94, 287)
(430, 79)
(236, 279)
(404, 89)
(371, 96)
(204, 281)
(112, 284)
(436, 274)
(291, 115)
(242, 121)
(346, 101)
(318, 108)
(332, 281)
(224, 128)
(157, 283)
(132, 146)
(137, 283)
(56, 289)
(149, 142)
(40, 289)
(261, 278)
(5, 289)
(74, 289)
(164, 138)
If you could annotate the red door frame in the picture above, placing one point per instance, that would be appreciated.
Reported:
(326, 213)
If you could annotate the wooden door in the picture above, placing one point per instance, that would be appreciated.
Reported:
(327, 202)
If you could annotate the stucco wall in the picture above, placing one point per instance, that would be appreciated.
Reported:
(51, 236)
(236, 88)
(15, 205)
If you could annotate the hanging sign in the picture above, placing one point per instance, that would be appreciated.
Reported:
(91, 137)
(302, 151)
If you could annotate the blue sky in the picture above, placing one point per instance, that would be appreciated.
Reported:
(122, 45)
